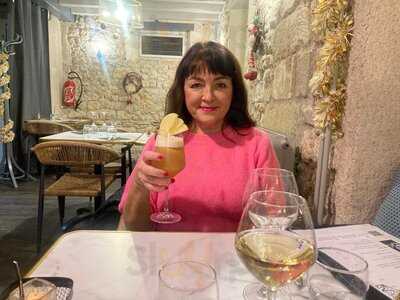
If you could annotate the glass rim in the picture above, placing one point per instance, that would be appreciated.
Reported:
(285, 172)
(208, 266)
(352, 270)
(251, 198)
(179, 135)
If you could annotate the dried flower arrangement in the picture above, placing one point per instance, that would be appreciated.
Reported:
(6, 134)
(333, 23)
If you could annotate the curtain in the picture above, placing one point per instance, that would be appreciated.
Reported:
(29, 67)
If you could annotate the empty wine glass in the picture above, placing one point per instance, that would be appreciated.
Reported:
(275, 241)
(188, 280)
(173, 161)
(92, 128)
(344, 276)
(270, 179)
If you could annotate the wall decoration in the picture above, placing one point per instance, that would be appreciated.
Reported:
(6, 133)
(333, 23)
(132, 84)
(256, 40)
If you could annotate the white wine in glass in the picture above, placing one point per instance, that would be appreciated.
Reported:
(172, 149)
(280, 250)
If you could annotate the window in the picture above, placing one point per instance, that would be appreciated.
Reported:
(158, 45)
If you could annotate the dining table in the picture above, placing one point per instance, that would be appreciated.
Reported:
(125, 264)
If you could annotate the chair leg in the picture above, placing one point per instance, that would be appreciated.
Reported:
(130, 164)
(28, 160)
(61, 208)
(40, 211)
(98, 200)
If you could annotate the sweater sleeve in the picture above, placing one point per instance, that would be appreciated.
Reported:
(149, 146)
(265, 156)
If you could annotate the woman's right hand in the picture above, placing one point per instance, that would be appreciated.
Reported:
(149, 177)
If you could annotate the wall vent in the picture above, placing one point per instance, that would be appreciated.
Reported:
(162, 45)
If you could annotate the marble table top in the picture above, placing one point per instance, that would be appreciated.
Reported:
(124, 265)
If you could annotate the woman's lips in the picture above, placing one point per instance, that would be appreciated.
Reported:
(207, 108)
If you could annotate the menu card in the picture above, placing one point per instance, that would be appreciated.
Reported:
(380, 249)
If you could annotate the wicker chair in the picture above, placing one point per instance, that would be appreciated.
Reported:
(70, 154)
(37, 129)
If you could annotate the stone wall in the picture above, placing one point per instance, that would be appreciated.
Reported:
(370, 149)
(233, 29)
(280, 98)
(102, 55)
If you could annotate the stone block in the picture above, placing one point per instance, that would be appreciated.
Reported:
(302, 73)
(292, 32)
(308, 114)
(283, 80)
(287, 7)
(282, 116)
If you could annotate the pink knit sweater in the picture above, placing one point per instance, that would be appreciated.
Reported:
(208, 192)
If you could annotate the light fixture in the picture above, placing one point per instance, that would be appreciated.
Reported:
(124, 13)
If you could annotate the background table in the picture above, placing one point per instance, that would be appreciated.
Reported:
(125, 139)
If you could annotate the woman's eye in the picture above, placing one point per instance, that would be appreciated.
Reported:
(221, 85)
(195, 85)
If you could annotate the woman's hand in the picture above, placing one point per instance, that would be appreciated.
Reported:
(149, 177)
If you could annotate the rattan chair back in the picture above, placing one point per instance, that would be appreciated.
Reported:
(69, 153)
(45, 127)
(92, 184)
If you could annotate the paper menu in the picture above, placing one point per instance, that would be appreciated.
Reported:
(381, 250)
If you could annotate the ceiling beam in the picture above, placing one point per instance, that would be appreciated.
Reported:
(162, 10)
(79, 3)
(62, 13)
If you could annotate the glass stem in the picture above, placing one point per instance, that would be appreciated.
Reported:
(265, 293)
(166, 202)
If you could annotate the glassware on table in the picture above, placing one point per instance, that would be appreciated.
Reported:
(111, 131)
(344, 276)
(92, 128)
(172, 149)
(187, 280)
(275, 241)
(36, 289)
(270, 179)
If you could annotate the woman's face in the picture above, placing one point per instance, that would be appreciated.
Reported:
(208, 98)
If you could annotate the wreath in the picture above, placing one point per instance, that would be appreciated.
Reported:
(132, 84)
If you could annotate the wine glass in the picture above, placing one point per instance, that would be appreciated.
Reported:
(93, 127)
(270, 179)
(343, 275)
(273, 179)
(188, 280)
(173, 161)
(275, 241)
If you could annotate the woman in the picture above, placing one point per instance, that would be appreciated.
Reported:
(222, 146)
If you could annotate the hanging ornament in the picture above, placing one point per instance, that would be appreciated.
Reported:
(251, 73)
(256, 35)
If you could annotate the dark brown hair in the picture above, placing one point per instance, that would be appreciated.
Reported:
(215, 59)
